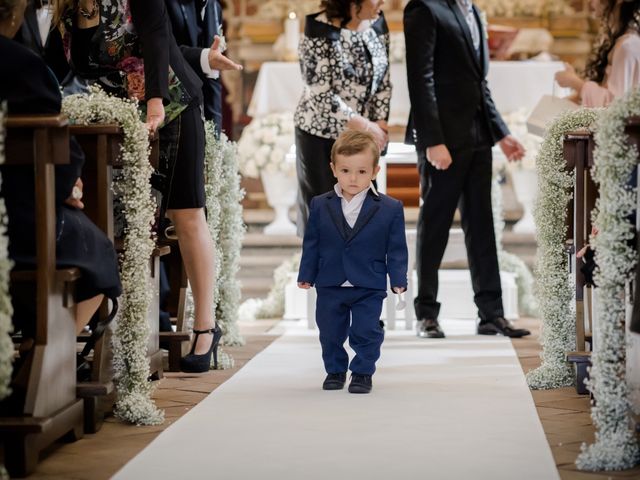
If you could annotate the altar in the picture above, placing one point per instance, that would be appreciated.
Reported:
(514, 86)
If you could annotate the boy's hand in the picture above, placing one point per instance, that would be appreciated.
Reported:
(399, 290)
(305, 285)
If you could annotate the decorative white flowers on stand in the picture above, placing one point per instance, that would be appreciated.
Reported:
(263, 152)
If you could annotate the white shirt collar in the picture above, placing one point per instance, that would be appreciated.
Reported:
(372, 187)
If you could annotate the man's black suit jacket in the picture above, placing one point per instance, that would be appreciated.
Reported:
(447, 79)
(51, 51)
(192, 38)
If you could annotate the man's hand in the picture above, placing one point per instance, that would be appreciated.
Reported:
(399, 290)
(217, 61)
(511, 148)
(439, 156)
(155, 114)
(305, 285)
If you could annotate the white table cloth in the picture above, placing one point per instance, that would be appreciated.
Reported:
(513, 85)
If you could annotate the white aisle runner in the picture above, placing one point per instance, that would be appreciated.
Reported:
(457, 408)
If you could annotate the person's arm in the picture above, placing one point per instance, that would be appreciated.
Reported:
(381, 98)
(309, 260)
(623, 77)
(420, 28)
(497, 125)
(397, 253)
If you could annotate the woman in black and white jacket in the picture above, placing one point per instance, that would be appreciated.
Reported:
(344, 58)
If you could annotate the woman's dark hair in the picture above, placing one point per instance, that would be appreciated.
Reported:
(629, 17)
(6, 9)
(339, 9)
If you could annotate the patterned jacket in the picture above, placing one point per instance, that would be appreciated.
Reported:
(344, 73)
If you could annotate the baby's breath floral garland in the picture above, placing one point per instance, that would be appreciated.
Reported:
(131, 365)
(524, 8)
(554, 292)
(616, 446)
(6, 311)
(223, 197)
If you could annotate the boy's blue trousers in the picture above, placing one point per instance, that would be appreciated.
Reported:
(352, 312)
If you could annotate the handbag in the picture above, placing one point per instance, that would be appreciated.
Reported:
(546, 110)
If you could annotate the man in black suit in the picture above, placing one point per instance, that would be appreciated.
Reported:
(36, 34)
(454, 123)
(195, 25)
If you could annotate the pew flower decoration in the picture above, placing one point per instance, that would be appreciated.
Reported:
(616, 445)
(554, 292)
(130, 362)
(6, 311)
(264, 144)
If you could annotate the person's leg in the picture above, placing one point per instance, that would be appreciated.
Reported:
(366, 334)
(185, 200)
(197, 249)
(85, 310)
(332, 318)
(313, 155)
(440, 191)
(479, 235)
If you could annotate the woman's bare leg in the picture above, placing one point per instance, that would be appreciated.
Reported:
(198, 256)
(85, 310)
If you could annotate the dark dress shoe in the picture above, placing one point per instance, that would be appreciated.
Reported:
(334, 381)
(429, 328)
(360, 383)
(501, 326)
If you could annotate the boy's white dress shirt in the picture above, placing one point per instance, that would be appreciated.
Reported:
(351, 208)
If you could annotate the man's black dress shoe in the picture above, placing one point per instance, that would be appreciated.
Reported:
(501, 326)
(360, 383)
(334, 381)
(429, 328)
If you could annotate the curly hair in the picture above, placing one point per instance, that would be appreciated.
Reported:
(340, 9)
(7, 8)
(628, 17)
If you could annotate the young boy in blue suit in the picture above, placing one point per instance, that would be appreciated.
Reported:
(354, 238)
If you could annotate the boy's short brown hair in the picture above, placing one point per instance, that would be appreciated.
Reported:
(351, 142)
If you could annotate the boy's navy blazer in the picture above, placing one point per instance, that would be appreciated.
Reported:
(375, 247)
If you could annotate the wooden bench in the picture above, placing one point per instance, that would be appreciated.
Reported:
(50, 408)
(578, 153)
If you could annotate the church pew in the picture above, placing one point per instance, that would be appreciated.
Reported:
(47, 409)
(578, 153)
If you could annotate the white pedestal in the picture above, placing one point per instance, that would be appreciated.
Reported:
(280, 190)
(525, 183)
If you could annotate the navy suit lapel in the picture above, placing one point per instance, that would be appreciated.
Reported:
(190, 20)
(335, 212)
(368, 210)
(462, 23)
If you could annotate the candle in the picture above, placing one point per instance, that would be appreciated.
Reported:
(291, 35)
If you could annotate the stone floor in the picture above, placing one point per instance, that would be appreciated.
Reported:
(564, 415)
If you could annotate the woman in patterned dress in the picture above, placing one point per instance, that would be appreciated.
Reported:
(344, 58)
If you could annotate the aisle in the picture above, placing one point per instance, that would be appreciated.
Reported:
(451, 409)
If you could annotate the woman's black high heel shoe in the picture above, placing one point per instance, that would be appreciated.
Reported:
(193, 363)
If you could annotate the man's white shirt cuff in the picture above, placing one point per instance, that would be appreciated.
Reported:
(204, 64)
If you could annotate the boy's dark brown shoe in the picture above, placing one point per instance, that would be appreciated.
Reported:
(360, 383)
(334, 381)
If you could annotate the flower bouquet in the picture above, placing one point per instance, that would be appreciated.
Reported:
(264, 144)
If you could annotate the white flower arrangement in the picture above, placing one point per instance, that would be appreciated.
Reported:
(554, 291)
(524, 8)
(264, 144)
(130, 362)
(6, 310)
(616, 446)
(508, 261)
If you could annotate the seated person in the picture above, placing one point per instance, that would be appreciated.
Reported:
(29, 87)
